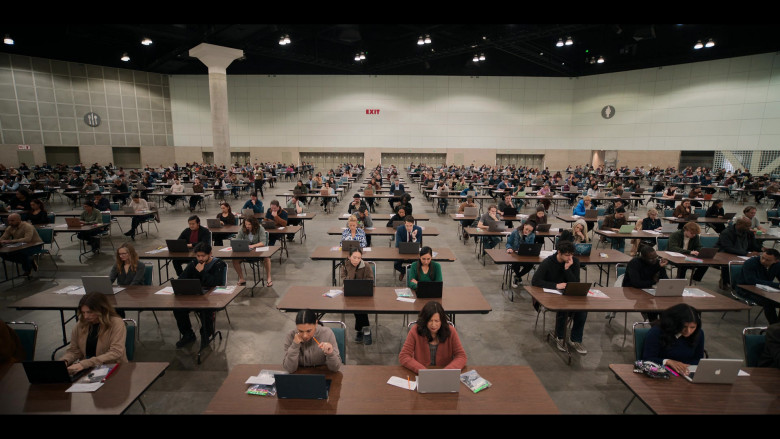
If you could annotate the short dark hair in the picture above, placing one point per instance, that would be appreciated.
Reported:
(672, 321)
(409, 219)
(620, 210)
(363, 208)
(565, 247)
(275, 203)
(356, 196)
(772, 252)
(305, 317)
(202, 247)
(195, 218)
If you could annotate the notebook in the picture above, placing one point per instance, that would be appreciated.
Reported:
(438, 381)
(301, 386)
(99, 284)
(358, 287)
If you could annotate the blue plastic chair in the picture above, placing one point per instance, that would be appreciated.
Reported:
(753, 340)
(340, 332)
(28, 336)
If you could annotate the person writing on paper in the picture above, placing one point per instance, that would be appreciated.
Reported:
(677, 341)
(353, 232)
(432, 342)
(310, 344)
(425, 269)
(98, 337)
(257, 237)
(355, 268)
(687, 242)
(554, 273)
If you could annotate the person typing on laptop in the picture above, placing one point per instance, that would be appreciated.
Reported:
(211, 272)
(353, 232)
(491, 217)
(19, 231)
(98, 337)
(432, 341)
(278, 215)
(524, 234)
(424, 270)
(555, 272)
(687, 242)
(310, 344)
(91, 215)
(644, 271)
(128, 269)
(676, 340)
(257, 237)
(193, 234)
(409, 232)
(507, 204)
(355, 268)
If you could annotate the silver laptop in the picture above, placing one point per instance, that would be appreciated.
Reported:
(496, 226)
(668, 288)
(213, 223)
(129, 209)
(669, 228)
(714, 371)
(247, 213)
(471, 211)
(438, 381)
(240, 245)
(99, 284)
(471, 193)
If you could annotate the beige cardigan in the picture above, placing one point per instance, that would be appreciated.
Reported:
(110, 346)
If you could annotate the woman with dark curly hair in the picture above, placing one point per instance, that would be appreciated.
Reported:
(677, 341)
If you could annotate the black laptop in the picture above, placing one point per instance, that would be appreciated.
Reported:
(188, 287)
(349, 245)
(177, 246)
(528, 249)
(358, 287)
(429, 290)
(409, 248)
(543, 227)
(397, 224)
(301, 386)
(510, 211)
(576, 289)
(50, 372)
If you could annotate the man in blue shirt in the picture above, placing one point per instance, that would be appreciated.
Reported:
(762, 270)
(254, 204)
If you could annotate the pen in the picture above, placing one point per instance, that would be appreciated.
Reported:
(111, 372)
(408, 382)
(673, 372)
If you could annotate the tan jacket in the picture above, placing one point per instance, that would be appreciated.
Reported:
(110, 345)
(24, 232)
(362, 271)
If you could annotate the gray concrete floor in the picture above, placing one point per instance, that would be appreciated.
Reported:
(508, 335)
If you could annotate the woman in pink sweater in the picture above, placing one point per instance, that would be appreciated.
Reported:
(432, 342)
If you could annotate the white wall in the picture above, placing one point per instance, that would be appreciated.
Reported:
(724, 104)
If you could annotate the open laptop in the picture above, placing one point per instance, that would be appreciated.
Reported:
(707, 253)
(129, 210)
(714, 371)
(471, 211)
(429, 290)
(268, 224)
(543, 227)
(177, 246)
(348, 245)
(438, 381)
(471, 193)
(240, 245)
(669, 228)
(692, 217)
(50, 372)
(213, 223)
(99, 284)
(301, 386)
(510, 211)
(639, 190)
(592, 213)
(626, 228)
(668, 288)
(729, 215)
(409, 248)
(358, 287)
(582, 249)
(397, 224)
(246, 213)
(73, 222)
(528, 249)
(496, 226)
(576, 289)
(188, 287)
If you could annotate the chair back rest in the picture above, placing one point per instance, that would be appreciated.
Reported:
(46, 234)
(113, 206)
(735, 273)
(619, 281)
(700, 212)
(340, 332)
(640, 333)
(107, 218)
(51, 218)
(28, 335)
(148, 274)
(601, 211)
(668, 212)
(620, 268)
(130, 339)
(753, 340)
(663, 243)
(373, 269)
(708, 241)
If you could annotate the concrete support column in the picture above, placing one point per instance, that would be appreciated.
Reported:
(217, 59)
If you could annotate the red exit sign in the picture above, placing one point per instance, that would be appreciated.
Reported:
(370, 111)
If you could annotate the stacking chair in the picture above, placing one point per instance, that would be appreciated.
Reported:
(28, 335)
(114, 220)
(149, 220)
(148, 271)
(734, 272)
(132, 336)
(340, 332)
(47, 235)
(708, 241)
(640, 333)
(753, 340)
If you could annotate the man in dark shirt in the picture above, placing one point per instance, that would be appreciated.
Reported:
(211, 272)
(193, 234)
(644, 271)
(555, 272)
(737, 239)
(101, 203)
(762, 270)
(614, 222)
(278, 215)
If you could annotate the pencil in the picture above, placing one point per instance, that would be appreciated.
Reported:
(315, 340)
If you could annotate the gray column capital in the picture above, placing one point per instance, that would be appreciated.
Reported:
(216, 58)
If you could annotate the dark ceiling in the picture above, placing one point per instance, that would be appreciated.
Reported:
(392, 49)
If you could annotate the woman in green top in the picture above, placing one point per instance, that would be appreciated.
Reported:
(257, 237)
(425, 269)
(91, 215)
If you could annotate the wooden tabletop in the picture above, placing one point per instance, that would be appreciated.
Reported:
(217, 252)
(775, 297)
(757, 394)
(364, 390)
(18, 396)
(500, 256)
(383, 231)
(455, 300)
(387, 216)
(275, 231)
(133, 297)
(464, 217)
(701, 220)
(573, 218)
(720, 259)
(443, 254)
(632, 299)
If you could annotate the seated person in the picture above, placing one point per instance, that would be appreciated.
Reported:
(762, 270)
(771, 355)
(21, 201)
(687, 242)
(355, 268)
(579, 232)
(120, 190)
(396, 186)
(524, 234)
(406, 199)
(254, 204)
(677, 340)
(128, 269)
(24, 232)
(364, 221)
(409, 232)
(644, 271)
(425, 270)
(226, 218)
(736, 239)
(582, 206)
(37, 214)
(432, 342)
(400, 215)
(91, 215)
(310, 344)
(278, 216)
(503, 205)
(491, 216)
(257, 237)
(614, 222)
(716, 211)
(355, 203)
(462, 209)
(749, 212)
(300, 190)
(540, 217)
(353, 232)
(211, 272)
(555, 272)
(614, 206)
(443, 193)
(98, 337)
(176, 188)
(139, 205)
(193, 234)
(101, 203)
(197, 188)
(682, 211)
(328, 194)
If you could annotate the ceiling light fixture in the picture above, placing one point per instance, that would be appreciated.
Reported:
(146, 42)
(559, 43)
(284, 40)
(8, 40)
(600, 60)
(481, 56)
(420, 41)
(476, 58)
(360, 56)
(698, 45)
(287, 39)
(427, 39)
(125, 57)
(710, 43)
(569, 41)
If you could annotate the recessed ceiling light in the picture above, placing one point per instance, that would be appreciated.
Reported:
(698, 45)
(8, 40)
(146, 42)
(125, 57)
(710, 43)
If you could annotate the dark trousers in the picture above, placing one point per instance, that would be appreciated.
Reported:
(23, 257)
(361, 320)
(90, 237)
(136, 221)
(207, 321)
(576, 330)
(770, 307)
(259, 187)
(698, 273)
(521, 270)
(177, 263)
(194, 199)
